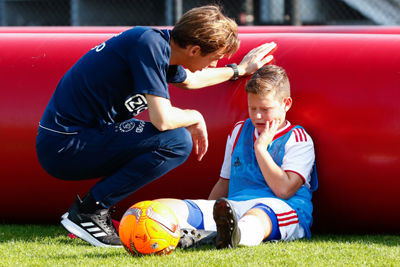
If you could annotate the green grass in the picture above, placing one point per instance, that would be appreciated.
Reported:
(42, 245)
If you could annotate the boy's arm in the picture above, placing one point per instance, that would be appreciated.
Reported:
(283, 184)
(254, 60)
(220, 189)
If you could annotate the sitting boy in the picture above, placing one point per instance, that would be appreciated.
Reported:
(268, 174)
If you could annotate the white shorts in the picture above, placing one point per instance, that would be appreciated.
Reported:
(287, 217)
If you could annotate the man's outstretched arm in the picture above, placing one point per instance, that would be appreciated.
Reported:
(250, 63)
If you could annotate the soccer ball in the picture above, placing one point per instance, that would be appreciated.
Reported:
(149, 227)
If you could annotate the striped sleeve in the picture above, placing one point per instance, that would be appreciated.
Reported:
(299, 155)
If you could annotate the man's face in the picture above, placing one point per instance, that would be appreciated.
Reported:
(198, 61)
(263, 108)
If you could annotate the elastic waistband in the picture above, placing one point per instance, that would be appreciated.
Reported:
(55, 123)
(55, 131)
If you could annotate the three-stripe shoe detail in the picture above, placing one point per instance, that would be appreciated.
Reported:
(92, 228)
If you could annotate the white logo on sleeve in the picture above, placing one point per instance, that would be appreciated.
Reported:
(136, 104)
(99, 47)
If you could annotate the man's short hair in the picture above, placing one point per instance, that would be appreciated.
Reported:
(208, 28)
(269, 79)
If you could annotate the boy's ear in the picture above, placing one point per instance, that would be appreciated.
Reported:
(288, 103)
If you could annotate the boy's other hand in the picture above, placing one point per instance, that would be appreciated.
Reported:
(256, 58)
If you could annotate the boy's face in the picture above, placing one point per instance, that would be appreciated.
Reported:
(263, 108)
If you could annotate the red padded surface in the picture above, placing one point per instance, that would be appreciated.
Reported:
(346, 89)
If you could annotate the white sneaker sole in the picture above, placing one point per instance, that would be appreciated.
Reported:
(82, 234)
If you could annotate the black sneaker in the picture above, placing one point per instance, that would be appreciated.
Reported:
(228, 232)
(96, 228)
(193, 238)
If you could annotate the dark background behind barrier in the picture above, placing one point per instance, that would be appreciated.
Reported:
(167, 12)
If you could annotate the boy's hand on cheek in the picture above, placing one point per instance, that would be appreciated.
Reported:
(267, 135)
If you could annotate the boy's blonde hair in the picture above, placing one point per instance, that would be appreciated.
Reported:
(269, 79)
(208, 28)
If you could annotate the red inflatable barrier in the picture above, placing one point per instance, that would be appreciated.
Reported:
(346, 89)
(242, 29)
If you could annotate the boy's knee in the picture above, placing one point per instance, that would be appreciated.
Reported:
(267, 217)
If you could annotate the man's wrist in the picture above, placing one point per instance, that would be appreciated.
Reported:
(235, 69)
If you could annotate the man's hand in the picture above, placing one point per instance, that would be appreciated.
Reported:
(199, 137)
(256, 58)
(267, 135)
